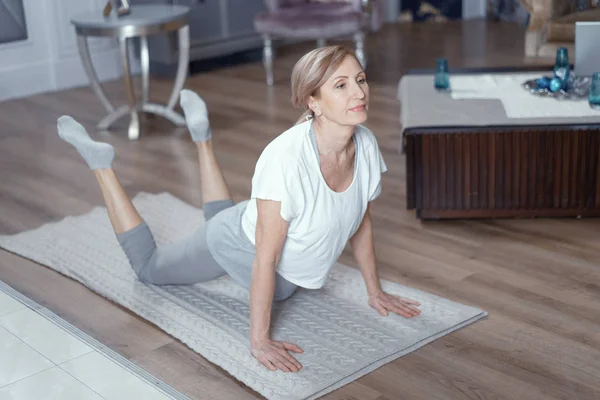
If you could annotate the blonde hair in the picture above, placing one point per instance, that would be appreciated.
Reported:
(312, 71)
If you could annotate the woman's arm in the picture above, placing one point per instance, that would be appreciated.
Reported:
(364, 253)
(271, 232)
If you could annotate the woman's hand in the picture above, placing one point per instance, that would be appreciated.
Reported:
(384, 303)
(274, 355)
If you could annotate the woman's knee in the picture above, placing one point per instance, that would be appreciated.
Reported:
(144, 271)
(143, 267)
(139, 247)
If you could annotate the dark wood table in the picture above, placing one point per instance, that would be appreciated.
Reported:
(499, 171)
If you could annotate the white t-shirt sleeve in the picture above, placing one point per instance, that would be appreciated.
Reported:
(274, 179)
(377, 167)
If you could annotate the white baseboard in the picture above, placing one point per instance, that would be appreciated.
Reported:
(69, 72)
(27, 80)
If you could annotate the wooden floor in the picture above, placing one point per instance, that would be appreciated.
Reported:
(538, 279)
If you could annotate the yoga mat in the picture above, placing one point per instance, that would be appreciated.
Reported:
(342, 337)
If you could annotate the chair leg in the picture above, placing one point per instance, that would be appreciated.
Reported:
(361, 54)
(321, 42)
(268, 58)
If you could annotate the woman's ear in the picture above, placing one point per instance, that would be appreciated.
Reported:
(314, 106)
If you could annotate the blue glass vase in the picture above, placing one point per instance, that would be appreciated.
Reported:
(594, 96)
(562, 68)
(442, 76)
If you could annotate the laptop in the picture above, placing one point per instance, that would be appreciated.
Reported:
(587, 48)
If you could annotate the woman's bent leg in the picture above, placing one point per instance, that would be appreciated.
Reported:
(181, 263)
(99, 157)
(121, 211)
(212, 182)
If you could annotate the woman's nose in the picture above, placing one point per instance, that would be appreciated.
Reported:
(359, 93)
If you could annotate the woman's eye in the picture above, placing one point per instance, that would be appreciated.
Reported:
(362, 80)
(341, 86)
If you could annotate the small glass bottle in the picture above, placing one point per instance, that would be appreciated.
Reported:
(442, 77)
(562, 68)
(594, 96)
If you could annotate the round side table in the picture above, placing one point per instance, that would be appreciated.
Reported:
(142, 21)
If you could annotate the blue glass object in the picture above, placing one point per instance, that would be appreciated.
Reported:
(556, 84)
(594, 96)
(442, 77)
(543, 82)
(562, 68)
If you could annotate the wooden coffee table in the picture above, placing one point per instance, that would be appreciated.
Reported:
(466, 159)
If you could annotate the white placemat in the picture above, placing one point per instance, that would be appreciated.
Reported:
(517, 102)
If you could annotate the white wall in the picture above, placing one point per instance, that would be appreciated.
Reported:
(392, 10)
(474, 9)
(49, 60)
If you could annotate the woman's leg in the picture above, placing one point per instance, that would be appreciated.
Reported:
(99, 156)
(185, 262)
(121, 211)
(177, 263)
(215, 194)
(283, 289)
(212, 183)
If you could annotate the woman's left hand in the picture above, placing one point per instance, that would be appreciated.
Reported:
(384, 302)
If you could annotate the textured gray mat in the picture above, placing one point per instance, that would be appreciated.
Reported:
(342, 337)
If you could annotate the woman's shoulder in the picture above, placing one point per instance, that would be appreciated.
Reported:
(285, 150)
(287, 144)
(366, 136)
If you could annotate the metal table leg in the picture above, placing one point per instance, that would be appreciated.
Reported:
(111, 118)
(134, 125)
(84, 52)
(134, 107)
(182, 67)
(268, 58)
(145, 66)
(168, 111)
(361, 54)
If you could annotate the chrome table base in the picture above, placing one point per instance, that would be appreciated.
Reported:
(123, 30)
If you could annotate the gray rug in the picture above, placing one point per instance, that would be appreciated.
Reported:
(342, 337)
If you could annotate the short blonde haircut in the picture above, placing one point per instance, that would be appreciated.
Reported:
(312, 71)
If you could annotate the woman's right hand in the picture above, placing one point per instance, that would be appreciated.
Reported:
(274, 355)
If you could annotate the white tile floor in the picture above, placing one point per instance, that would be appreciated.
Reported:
(41, 360)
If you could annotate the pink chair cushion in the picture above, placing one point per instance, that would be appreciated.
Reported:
(331, 1)
(311, 21)
(274, 5)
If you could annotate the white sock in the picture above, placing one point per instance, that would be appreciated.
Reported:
(196, 115)
(97, 155)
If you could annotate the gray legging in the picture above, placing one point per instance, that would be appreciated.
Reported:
(188, 261)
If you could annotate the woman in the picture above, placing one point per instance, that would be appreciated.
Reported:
(310, 196)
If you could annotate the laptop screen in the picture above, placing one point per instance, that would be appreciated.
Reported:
(587, 48)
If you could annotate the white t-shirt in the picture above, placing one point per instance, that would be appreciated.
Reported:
(321, 220)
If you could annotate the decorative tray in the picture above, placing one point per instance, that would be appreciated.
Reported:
(577, 88)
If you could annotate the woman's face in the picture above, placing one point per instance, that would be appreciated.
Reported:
(344, 98)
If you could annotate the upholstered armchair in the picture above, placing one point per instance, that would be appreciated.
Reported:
(552, 25)
(317, 20)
